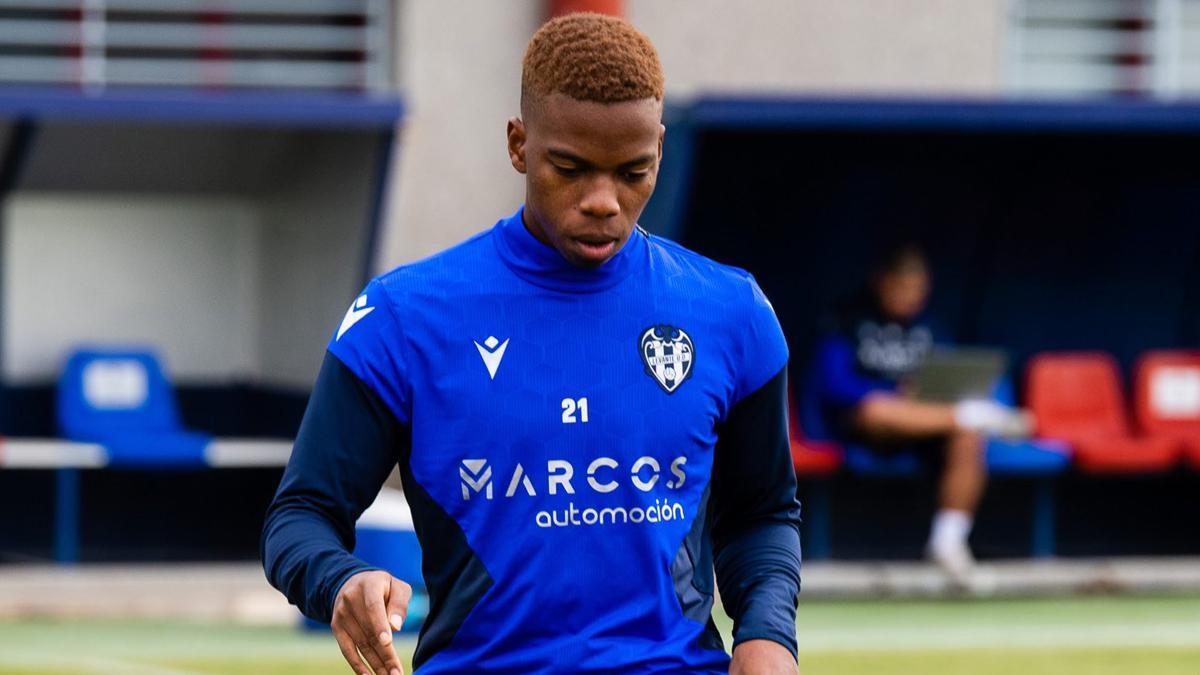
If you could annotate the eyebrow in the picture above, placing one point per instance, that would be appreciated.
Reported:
(576, 159)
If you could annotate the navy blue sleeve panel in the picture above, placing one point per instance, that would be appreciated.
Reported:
(756, 517)
(838, 381)
(348, 442)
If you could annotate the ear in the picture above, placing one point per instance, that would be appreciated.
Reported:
(516, 143)
(662, 133)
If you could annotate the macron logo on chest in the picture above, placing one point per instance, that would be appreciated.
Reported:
(353, 315)
(492, 352)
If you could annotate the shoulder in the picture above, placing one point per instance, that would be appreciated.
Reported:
(703, 275)
(460, 265)
(407, 291)
(374, 337)
(931, 328)
(751, 332)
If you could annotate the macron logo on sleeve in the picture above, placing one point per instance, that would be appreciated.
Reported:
(353, 315)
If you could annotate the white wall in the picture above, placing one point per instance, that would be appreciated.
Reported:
(460, 65)
(167, 270)
(813, 46)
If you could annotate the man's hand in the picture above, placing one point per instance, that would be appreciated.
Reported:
(762, 657)
(369, 606)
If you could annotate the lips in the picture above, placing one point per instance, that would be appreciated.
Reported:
(595, 248)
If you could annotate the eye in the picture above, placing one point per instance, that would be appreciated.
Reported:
(637, 176)
(568, 171)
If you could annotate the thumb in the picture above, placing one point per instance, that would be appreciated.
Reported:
(398, 597)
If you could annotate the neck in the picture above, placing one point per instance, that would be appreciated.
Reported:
(534, 227)
(541, 264)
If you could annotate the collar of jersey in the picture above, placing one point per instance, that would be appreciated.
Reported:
(544, 266)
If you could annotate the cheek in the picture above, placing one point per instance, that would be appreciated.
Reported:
(548, 187)
(554, 197)
(633, 196)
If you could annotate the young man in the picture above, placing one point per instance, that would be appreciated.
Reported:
(587, 419)
(871, 350)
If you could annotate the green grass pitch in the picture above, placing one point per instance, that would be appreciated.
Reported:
(1092, 635)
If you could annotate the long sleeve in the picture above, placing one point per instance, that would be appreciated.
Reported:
(348, 442)
(756, 517)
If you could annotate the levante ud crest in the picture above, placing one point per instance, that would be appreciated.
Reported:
(668, 354)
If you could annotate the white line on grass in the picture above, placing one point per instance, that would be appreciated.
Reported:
(90, 664)
(898, 638)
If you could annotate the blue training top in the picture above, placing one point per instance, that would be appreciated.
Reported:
(580, 448)
(862, 351)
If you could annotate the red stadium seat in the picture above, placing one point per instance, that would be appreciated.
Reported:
(809, 457)
(1077, 397)
(815, 457)
(1166, 397)
(816, 461)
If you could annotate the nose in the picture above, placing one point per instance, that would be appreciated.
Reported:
(600, 200)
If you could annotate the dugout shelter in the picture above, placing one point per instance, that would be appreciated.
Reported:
(1052, 226)
(200, 183)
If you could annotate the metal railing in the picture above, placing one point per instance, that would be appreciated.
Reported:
(296, 44)
(1082, 47)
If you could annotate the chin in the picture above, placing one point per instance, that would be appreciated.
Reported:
(586, 263)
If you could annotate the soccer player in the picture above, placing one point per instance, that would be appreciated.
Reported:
(587, 419)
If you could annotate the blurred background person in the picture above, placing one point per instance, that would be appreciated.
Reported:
(873, 346)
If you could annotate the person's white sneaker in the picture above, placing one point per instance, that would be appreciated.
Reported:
(993, 418)
(956, 560)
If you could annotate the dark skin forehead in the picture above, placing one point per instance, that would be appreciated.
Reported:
(605, 135)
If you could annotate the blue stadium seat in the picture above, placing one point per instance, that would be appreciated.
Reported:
(121, 399)
(866, 462)
(859, 459)
(1034, 457)
(1040, 459)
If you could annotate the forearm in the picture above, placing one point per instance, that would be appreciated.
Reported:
(762, 657)
(344, 450)
(758, 571)
(756, 518)
(305, 557)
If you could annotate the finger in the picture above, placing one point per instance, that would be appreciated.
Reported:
(374, 623)
(399, 596)
(373, 619)
(363, 643)
(350, 652)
